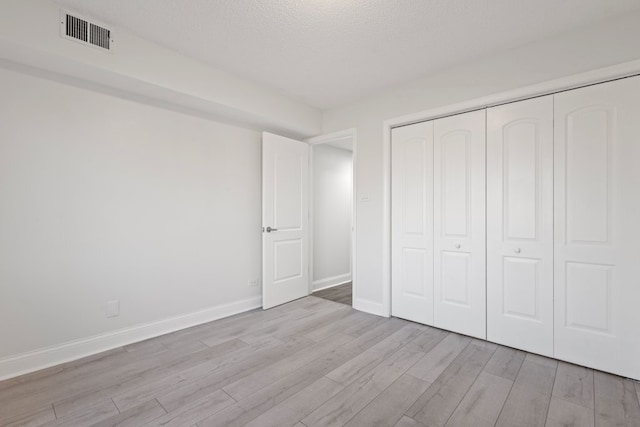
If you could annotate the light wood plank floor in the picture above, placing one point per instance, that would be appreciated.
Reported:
(340, 293)
(314, 362)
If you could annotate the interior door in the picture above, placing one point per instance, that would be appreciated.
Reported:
(412, 222)
(597, 212)
(285, 220)
(459, 224)
(520, 225)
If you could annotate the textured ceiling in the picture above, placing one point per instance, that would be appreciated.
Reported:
(332, 52)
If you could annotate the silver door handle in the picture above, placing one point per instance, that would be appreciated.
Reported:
(517, 250)
(457, 245)
(269, 229)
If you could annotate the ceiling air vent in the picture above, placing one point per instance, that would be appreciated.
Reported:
(84, 31)
(76, 28)
(99, 36)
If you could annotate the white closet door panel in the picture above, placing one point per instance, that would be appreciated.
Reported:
(459, 224)
(412, 222)
(597, 237)
(520, 225)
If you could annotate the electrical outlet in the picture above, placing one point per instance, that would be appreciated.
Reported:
(113, 308)
(253, 282)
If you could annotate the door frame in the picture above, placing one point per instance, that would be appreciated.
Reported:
(324, 139)
(601, 75)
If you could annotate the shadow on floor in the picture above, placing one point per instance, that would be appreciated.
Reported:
(340, 293)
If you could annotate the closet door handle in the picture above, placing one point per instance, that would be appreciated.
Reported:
(516, 250)
(457, 245)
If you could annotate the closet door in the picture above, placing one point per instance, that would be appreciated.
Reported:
(597, 220)
(459, 224)
(412, 222)
(520, 225)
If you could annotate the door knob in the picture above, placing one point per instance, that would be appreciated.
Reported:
(269, 229)
(517, 250)
(457, 245)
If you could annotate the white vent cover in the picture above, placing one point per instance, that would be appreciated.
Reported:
(84, 31)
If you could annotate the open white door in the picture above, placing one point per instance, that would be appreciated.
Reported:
(285, 220)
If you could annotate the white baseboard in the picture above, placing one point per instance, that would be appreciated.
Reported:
(36, 360)
(330, 282)
(370, 307)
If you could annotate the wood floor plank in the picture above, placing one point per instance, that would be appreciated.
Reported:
(367, 360)
(505, 363)
(59, 372)
(358, 330)
(176, 397)
(33, 419)
(574, 384)
(390, 405)
(482, 404)
(194, 411)
(436, 405)
(486, 344)
(86, 416)
(376, 333)
(528, 402)
(215, 375)
(212, 337)
(231, 416)
(147, 347)
(299, 405)
(140, 390)
(536, 376)
(246, 323)
(91, 389)
(616, 402)
(326, 363)
(136, 416)
(41, 388)
(249, 384)
(346, 404)
(408, 422)
(439, 358)
(265, 319)
(542, 360)
(287, 329)
(237, 324)
(121, 384)
(566, 414)
(317, 302)
(428, 340)
(266, 398)
(313, 323)
(340, 325)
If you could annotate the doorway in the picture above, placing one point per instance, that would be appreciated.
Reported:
(332, 214)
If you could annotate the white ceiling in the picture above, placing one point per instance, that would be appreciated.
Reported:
(331, 52)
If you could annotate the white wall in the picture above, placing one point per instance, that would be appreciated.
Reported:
(103, 198)
(597, 46)
(332, 204)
